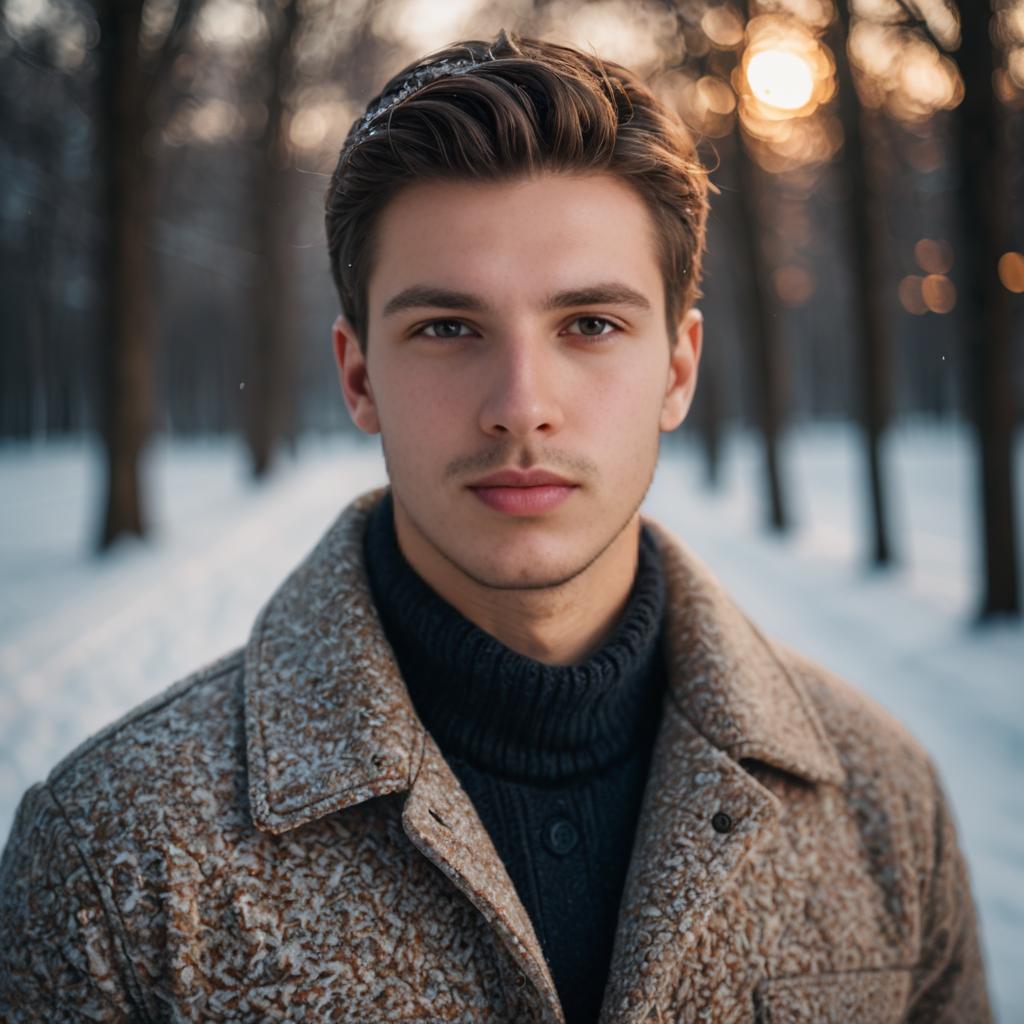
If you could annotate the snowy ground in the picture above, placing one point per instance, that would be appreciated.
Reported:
(83, 640)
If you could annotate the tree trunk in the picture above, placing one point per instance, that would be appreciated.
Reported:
(125, 337)
(763, 336)
(983, 204)
(270, 375)
(869, 326)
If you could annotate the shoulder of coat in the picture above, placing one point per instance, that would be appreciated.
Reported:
(870, 740)
(207, 699)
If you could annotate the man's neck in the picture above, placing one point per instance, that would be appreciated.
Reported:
(560, 625)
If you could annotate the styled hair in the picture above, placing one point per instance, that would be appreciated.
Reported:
(480, 111)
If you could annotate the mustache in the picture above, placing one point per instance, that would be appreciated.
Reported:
(512, 456)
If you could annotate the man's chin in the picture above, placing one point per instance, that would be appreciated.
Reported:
(527, 570)
(526, 580)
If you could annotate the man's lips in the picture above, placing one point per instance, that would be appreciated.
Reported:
(522, 478)
(522, 492)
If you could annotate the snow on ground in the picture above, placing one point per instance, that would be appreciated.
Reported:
(83, 639)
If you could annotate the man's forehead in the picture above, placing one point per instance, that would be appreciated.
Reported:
(541, 237)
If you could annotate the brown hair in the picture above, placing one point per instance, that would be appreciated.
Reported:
(494, 111)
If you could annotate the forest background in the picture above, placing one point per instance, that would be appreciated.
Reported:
(163, 267)
(164, 279)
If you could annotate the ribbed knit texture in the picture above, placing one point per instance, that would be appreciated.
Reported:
(554, 758)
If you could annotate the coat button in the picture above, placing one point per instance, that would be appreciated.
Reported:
(560, 836)
(721, 822)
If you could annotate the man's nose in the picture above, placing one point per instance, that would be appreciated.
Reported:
(521, 392)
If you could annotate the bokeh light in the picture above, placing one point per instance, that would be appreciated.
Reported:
(933, 293)
(1008, 35)
(793, 285)
(910, 295)
(706, 103)
(934, 256)
(780, 79)
(641, 35)
(938, 293)
(942, 21)
(425, 25)
(1011, 271)
(815, 14)
(206, 122)
(901, 71)
(723, 26)
(230, 24)
(784, 80)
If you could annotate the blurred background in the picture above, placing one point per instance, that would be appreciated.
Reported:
(172, 438)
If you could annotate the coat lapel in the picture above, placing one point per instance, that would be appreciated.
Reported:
(680, 863)
(442, 823)
(329, 723)
(728, 699)
(328, 720)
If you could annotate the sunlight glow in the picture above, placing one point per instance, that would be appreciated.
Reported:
(780, 79)
(785, 77)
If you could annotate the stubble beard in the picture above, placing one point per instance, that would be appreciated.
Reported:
(551, 583)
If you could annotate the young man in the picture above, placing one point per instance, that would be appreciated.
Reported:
(500, 750)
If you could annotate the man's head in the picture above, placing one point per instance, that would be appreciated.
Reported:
(508, 315)
(508, 109)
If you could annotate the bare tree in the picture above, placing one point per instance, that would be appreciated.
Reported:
(763, 333)
(128, 80)
(869, 325)
(983, 200)
(762, 322)
(270, 375)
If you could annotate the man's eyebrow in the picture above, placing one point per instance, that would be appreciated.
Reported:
(611, 293)
(420, 296)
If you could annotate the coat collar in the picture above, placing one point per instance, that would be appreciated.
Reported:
(726, 678)
(329, 722)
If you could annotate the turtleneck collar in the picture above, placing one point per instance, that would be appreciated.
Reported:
(506, 713)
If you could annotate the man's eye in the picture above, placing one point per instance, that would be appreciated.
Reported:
(593, 326)
(444, 329)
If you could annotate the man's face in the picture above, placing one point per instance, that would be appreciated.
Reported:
(518, 327)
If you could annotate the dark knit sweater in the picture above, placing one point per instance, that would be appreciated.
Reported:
(553, 758)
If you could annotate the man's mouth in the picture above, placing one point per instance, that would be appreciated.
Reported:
(528, 492)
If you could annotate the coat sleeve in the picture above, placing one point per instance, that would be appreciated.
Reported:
(949, 982)
(58, 954)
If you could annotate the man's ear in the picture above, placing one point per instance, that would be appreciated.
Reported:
(682, 370)
(354, 377)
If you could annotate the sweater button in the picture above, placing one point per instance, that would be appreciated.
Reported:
(560, 836)
(721, 822)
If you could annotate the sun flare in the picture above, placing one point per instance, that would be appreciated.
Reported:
(781, 79)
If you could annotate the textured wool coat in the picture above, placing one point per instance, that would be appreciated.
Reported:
(278, 838)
